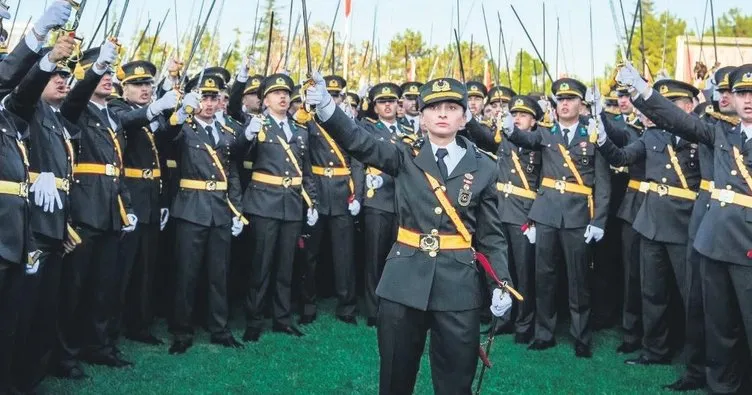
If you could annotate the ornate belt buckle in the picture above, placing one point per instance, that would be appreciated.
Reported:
(147, 174)
(23, 190)
(286, 182)
(329, 172)
(109, 170)
(726, 196)
(508, 188)
(211, 185)
(65, 186)
(560, 186)
(644, 187)
(429, 243)
(662, 190)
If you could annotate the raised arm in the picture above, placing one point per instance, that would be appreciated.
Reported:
(602, 191)
(530, 140)
(627, 156)
(481, 135)
(668, 116)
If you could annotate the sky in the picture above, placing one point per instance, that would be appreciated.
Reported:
(433, 18)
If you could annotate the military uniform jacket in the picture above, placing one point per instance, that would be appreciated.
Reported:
(706, 173)
(725, 233)
(141, 152)
(334, 193)
(49, 149)
(383, 198)
(235, 103)
(15, 66)
(271, 158)
(568, 210)
(660, 218)
(450, 281)
(621, 134)
(205, 207)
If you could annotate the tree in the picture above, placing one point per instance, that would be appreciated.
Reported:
(733, 24)
(655, 28)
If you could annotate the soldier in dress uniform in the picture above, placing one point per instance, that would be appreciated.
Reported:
(498, 98)
(339, 182)
(205, 209)
(447, 202)
(476, 98)
(141, 119)
(672, 176)
(724, 255)
(281, 189)
(352, 99)
(410, 93)
(611, 103)
(569, 212)
(296, 101)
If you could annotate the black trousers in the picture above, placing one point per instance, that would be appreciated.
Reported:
(577, 255)
(727, 293)
(453, 348)
(380, 233)
(522, 266)
(38, 319)
(341, 229)
(272, 261)
(607, 272)
(138, 257)
(11, 295)
(195, 246)
(164, 277)
(662, 272)
(632, 307)
(694, 344)
(88, 293)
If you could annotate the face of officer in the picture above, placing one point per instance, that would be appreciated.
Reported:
(685, 104)
(499, 107)
(645, 120)
(400, 109)
(410, 105)
(568, 109)
(224, 98)
(743, 106)
(104, 88)
(337, 98)
(209, 105)
(726, 102)
(625, 105)
(56, 90)
(443, 120)
(488, 111)
(523, 120)
(139, 93)
(476, 104)
(386, 109)
(252, 103)
(277, 102)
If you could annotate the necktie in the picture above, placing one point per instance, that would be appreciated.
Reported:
(106, 116)
(393, 129)
(412, 124)
(441, 153)
(59, 117)
(565, 132)
(210, 132)
(744, 138)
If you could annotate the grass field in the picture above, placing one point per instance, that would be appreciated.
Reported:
(334, 358)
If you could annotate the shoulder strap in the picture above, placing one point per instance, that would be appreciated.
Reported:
(518, 167)
(438, 190)
(294, 162)
(341, 157)
(677, 167)
(570, 164)
(742, 168)
(221, 168)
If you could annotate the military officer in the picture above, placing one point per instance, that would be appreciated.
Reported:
(569, 212)
(476, 98)
(498, 98)
(296, 101)
(281, 189)
(410, 93)
(447, 202)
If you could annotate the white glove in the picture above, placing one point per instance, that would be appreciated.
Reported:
(253, 128)
(629, 76)
(191, 100)
(500, 302)
(164, 216)
(32, 265)
(166, 102)
(55, 15)
(593, 96)
(347, 109)
(508, 124)
(133, 221)
(237, 226)
(107, 53)
(593, 233)
(318, 97)
(530, 234)
(243, 70)
(46, 193)
(312, 217)
(354, 208)
(597, 127)
(374, 182)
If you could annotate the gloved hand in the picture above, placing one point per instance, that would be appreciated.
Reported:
(107, 54)
(237, 226)
(166, 102)
(46, 193)
(593, 96)
(253, 128)
(593, 233)
(312, 216)
(508, 124)
(501, 302)
(629, 76)
(192, 102)
(354, 208)
(347, 109)
(530, 234)
(598, 128)
(164, 216)
(374, 182)
(55, 15)
(245, 65)
(32, 264)
(318, 97)
(133, 221)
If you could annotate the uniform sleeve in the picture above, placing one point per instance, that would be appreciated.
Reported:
(602, 191)
(489, 236)
(235, 104)
(78, 97)
(359, 178)
(669, 117)
(481, 135)
(627, 156)
(308, 182)
(361, 145)
(15, 66)
(618, 132)
(530, 140)
(131, 119)
(233, 181)
(23, 101)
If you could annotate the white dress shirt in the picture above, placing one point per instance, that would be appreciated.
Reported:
(215, 133)
(454, 155)
(284, 124)
(113, 125)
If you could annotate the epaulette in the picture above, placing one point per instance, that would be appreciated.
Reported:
(637, 127)
(371, 120)
(409, 138)
(487, 122)
(228, 129)
(612, 111)
(717, 115)
(488, 154)
(408, 128)
(417, 145)
(545, 124)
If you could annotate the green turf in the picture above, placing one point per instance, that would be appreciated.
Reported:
(335, 358)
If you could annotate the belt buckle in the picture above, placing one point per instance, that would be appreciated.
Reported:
(711, 185)
(726, 196)
(65, 186)
(211, 186)
(23, 189)
(109, 170)
(286, 182)
(508, 187)
(429, 243)
(328, 172)
(147, 174)
(662, 190)
(560, 186)
(644, 187)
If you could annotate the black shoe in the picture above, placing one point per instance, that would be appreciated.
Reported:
(627, 348)
(522, 338)
(582, 351)
(110, 360)
(71, 373)
(371, 321)
(645, 361)
(180, 346)
(539, 345)
(228, 342)
(287, 329)
(306, 319)
(685, 384)
(252, 335)
(144, 337)
(348, 319)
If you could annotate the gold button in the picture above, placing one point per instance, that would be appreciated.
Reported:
(663, 180)
(723, 204)
(733, 172)
(331, 163)
(728, 187)
(331, 150)
(443, 188)
(668, 165)
(287, 173)
(287, 159)
(438, 210)
(434, 232)
(566, 165)
(512, 171)
(432, 254)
